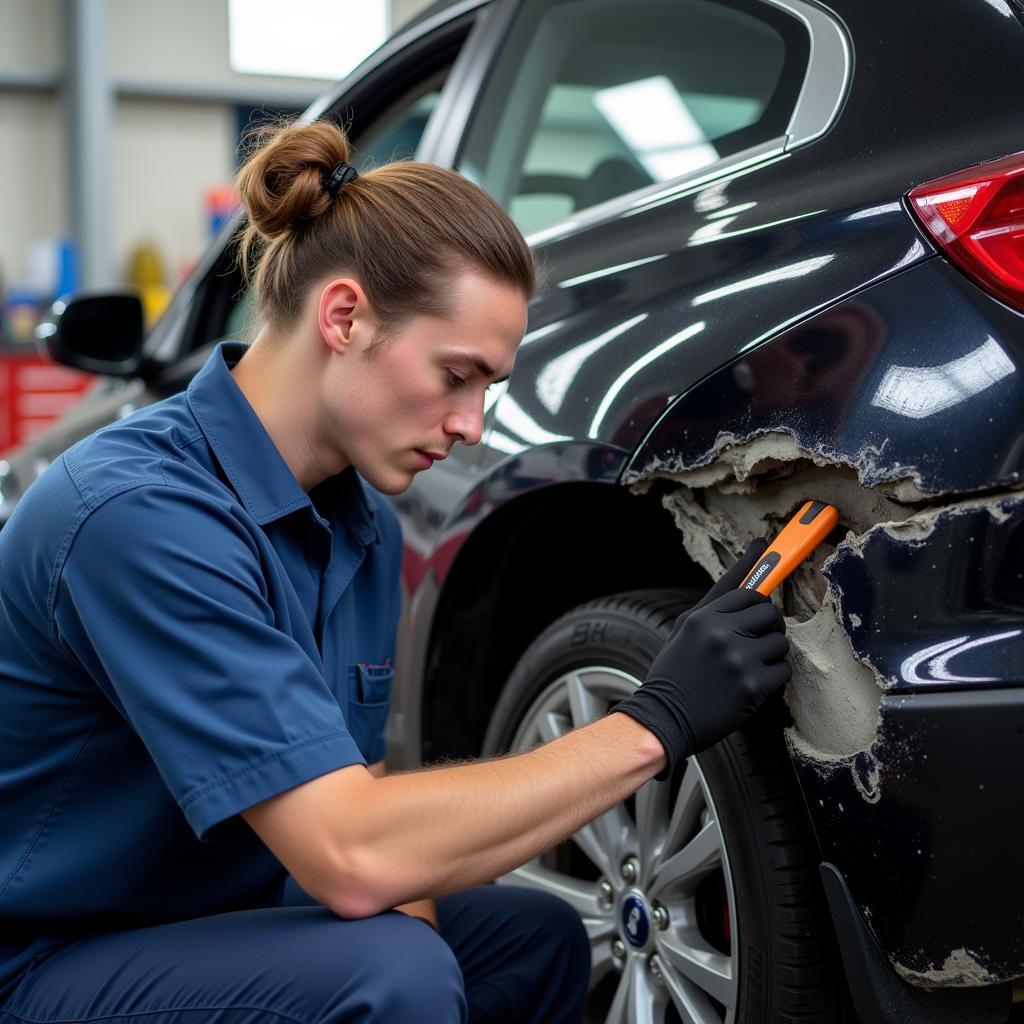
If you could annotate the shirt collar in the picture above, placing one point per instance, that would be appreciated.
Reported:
(259, 475)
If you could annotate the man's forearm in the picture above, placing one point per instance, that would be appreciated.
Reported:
(425, 909)
(435, 831)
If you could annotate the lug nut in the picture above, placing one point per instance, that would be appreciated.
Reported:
(605, 893)
(654, 964)
(659, 916)
(630, 870)
(618, 950)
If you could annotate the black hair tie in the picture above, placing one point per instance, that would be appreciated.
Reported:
(341, 175)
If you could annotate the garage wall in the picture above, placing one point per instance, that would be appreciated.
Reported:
(32, 174)
(29, 34)
(168, 149)
(165, 158)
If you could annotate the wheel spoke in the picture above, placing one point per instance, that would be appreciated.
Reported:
(618, 1012)
(601, 961)
(692, 1004)
(551, 726)
(651, 815)
(686, 812)
(584, 705)
(580, 895)
(638, 999)
(686, 868)
(647, 1005)
(706, 968)
(589, 840)
(616, 834)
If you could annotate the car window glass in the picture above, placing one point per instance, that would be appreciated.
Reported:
(591, 99)
(395, 135)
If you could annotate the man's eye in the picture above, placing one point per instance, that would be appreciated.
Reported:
(455, 380)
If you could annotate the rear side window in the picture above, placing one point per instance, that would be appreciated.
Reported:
(396, 134)
(591, 99)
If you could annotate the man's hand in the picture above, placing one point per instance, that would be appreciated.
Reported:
(725, 655)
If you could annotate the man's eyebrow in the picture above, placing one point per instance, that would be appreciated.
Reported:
(486, 370)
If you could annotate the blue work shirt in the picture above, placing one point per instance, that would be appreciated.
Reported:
(184, 632)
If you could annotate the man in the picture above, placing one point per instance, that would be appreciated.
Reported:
(198, 613)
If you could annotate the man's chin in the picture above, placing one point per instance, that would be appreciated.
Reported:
(390, 483)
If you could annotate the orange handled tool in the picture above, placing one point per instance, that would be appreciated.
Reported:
(800, 536)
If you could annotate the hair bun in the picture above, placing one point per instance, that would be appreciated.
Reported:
(283, 183)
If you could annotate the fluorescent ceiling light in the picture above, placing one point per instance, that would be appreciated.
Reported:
(304, 38)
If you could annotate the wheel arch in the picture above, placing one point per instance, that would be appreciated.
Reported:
(531, 560)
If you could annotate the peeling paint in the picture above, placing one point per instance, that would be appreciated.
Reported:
(748, 487)
(734, 460)
(915, 530)
(961, 969)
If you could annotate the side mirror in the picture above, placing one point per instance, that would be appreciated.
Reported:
(95, 333)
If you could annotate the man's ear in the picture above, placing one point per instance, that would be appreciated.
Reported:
(344, 314)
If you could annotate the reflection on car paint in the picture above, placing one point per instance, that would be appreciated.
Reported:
(834, 384)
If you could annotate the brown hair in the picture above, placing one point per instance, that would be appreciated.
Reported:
(402, 229)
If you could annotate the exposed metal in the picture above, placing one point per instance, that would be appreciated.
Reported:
(89, 112)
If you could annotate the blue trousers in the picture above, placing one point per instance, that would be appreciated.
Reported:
(504, 954)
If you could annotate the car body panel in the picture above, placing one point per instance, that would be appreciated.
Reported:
(446, 511)
(914, 383)
(933, 864)
(918, 379)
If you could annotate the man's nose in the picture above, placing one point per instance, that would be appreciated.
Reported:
(466, 423)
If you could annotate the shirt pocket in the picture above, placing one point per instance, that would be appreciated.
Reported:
(369, 699)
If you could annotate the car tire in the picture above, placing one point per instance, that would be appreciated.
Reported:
(715, 870)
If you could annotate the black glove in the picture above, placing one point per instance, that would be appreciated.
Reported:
(725, 655)
(729, 580)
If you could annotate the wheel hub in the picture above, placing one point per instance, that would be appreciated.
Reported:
(635, 920)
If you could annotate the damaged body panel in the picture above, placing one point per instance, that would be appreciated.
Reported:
(915, 383)
(931, 864)
(907, 628)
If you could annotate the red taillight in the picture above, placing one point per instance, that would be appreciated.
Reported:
(977, 217)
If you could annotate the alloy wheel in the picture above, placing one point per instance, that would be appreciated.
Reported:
(650, 878)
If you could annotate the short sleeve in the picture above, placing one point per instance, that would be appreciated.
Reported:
(163, 600)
